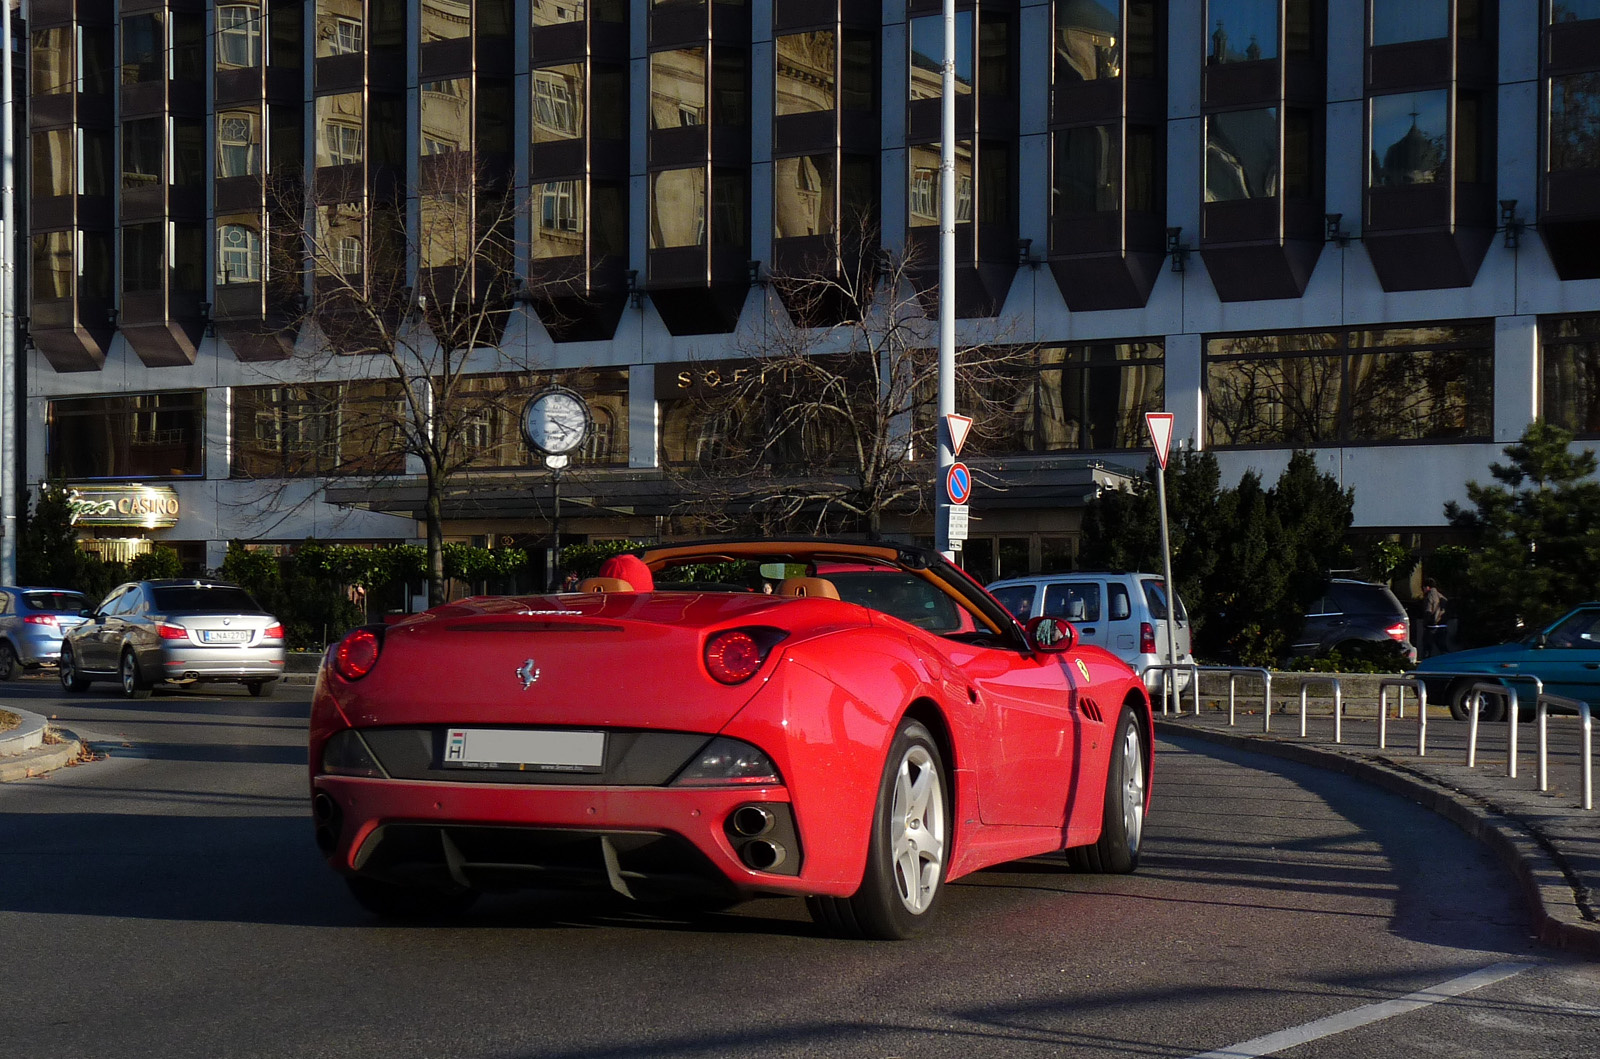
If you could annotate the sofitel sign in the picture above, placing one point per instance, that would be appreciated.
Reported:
(144, 506)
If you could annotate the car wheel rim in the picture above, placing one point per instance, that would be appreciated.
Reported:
(1132, 787)
(66, 668)
(129, 678)
(918, 829)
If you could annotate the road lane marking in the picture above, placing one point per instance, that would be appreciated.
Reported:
(1273, 1043)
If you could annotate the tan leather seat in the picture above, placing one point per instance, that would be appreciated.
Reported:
(604, 584)
(815, 587)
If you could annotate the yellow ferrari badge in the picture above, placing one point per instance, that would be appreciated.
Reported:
(1083, 669)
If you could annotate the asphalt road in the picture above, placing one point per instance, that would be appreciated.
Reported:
(168, 901)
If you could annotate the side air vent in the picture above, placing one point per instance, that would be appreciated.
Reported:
(1090, 709)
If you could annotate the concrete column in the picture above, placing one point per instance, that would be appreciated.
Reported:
(1185, 388)
(1516, 376)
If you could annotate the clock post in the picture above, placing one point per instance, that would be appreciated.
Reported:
(555, 423)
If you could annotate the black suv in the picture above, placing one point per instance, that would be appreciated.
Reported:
(1350, 613)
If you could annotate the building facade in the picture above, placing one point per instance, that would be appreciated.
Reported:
(1368, 230)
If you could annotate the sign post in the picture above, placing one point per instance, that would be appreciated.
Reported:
(1160, 427)
(958, 489)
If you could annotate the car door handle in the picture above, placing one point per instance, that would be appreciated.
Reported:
(1086, 630)
(1591, 665)
(1508, 665)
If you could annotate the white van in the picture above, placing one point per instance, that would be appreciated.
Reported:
(1124, 613)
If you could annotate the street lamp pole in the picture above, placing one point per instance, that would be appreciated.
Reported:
(947, 285)
(555, 530)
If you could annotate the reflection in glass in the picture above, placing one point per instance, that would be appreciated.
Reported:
(555, 12)
(51, 60)
(238, 143)
(446, 20)
(1088, 40)
(97, 269)
(1242, 155)
(1418, 394)
(678, 88)
(1573, 10)
(994, 54)
(730, 207)
(339, 131)
(1570, 370)
(1397, 21)
(1099, 397)
(859, 70)
(143, 48)
(923, 195)
(188, 152)
(1575, 122)
(1410, 142)
(608, 102)
(446, 116)
(52, 265)
(558, 218)
(147, 435)
(54, 159)
(338, 240)
(1088, 170)
(445, 229)
(142, 145)
(143, 256)
(238, 250)
(730, 86)
(96, 161)
(805, 66)
(1292, 401)
(558, 103)
(927, 55)
(678, 208)
(238, 36)
(97, 63)
(1242, 30)
(188, 45)
(802, 196)
(608, 216)
(341, 27)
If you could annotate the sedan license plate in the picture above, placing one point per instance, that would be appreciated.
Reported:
(225, 636)
(524, 750)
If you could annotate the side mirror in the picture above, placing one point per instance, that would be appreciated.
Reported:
(85, 613)
(1047, 634)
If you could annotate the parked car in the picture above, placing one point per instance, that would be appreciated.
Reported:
(714, 744)
(184, 631)
(31, 624)
(1124, 613)
(1349, 613)
(1564, 655)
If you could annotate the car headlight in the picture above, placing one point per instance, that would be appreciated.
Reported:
(729, 762)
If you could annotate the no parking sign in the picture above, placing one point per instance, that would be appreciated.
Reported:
(958, 483)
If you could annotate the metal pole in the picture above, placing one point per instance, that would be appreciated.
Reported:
(1166, 569)
(555, 530)
(8, 302)
(947, 283)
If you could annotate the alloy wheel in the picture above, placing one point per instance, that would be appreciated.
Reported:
(918, 829)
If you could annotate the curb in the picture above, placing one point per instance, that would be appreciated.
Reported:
(1550, 887)
(39, 757)
(28, 735)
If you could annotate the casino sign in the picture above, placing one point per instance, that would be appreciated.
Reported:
(142, 506)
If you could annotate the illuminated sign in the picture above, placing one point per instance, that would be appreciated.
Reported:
(143, 506)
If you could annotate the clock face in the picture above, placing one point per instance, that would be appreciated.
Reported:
(555, 422)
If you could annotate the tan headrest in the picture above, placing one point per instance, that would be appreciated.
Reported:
(604, 584)
(815, 587)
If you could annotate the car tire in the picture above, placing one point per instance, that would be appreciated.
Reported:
(909, 849)
(261, 689)
(134, 686)
(8, 660)
(1493, 709)
(68, 672)
(1122, 822)
(388, 900)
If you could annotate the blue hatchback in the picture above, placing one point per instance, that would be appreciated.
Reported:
(31, 623)
(1565, 656)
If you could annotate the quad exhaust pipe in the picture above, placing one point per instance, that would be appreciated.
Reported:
(763, 855)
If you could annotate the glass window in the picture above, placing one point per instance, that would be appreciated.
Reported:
(730, 207)
(488, 407)
(859, 71)
(805, 72)
(341, 27)
(1573, 10)
(445, 112)
(678, 208)
(188, 46)
(238, 250)
(285, 34)
(803, 196)
(446, 20)
(730, 86)
(678, 88)
(339, 129)
(52, 61)
(96, 162)
(143, 48)
(558, 103)
(1018, 599)
(923, 196)
(1242, 30)
(1089, 40)
(608, 102)
(556, 12)
(927, 55)
(1074, 601)
(152, 435)
(238, 36)
(558, 216)
(1569, 370)
(1422, 382)
(1398, 21)
(238, 143)
(188, 152)
(1242, 155)
(994, 54)
(320, 428)
(54, 158)
(1575, 122)
(1410, 138)
(97, 63)
(142, 157)
(1299, 176)
(1088, 170)
(338, 240)
(53, 265)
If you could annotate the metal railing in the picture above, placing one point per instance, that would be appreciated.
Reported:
(1338, 704)
(1586, 746)
(1170, 693)
(1400, 684)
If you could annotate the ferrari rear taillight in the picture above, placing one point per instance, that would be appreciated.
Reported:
(273, 631)
(40, 619)
(1147, 638)
(735, 655)
(169, 631)
(1397, 632)
(357, 654)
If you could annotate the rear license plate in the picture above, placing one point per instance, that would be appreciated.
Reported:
(225, 636)
(523, 750)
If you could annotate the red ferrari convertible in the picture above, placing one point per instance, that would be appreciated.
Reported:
(873, 727)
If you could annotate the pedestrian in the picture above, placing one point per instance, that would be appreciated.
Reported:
(1433, 619)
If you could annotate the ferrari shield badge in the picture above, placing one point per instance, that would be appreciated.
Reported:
(528, 673)
(1081, 668)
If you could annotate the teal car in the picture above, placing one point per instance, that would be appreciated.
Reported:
(1564, 655)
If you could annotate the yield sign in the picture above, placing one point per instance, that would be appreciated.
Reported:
(958, 426)
(1160, 424)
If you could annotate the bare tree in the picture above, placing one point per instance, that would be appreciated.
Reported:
(828, 423)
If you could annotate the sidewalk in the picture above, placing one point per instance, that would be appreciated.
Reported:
(1547, 840)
